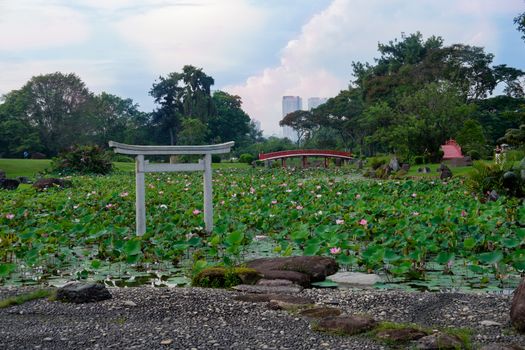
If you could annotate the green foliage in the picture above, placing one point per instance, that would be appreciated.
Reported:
(216, 158)
(419, 160)
(246, 158)
(474, 154)
(520, 22)
(194, 132)
(24, 298)
(502, 178)
(220, 277)
(376, 162)
(471, 138)
(82, 160)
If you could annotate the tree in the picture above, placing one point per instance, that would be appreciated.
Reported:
(59, 106)
(193, 132)
(471, 137)
(230, 123)
(16, 136)
(182, 95)
(118, 119)
(301, 121)
(520, 21)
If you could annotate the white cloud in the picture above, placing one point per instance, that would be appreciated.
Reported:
(37, 25)
(214, 35)
(97, 75)
(318, 61)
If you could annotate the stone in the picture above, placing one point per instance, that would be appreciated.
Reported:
(501, 347)
(360, 164)
(517, 309)
(77, 292)
(320, 312)
(274, 283)
(42, 184)
(220, 277)
(285, 305)
(299, 269)
(394, 164)
(493, 196)
(348, 325)
(426, 170)
(9, 184)
(489, 323)
(166, 341)
(23, 179)
(445, 171)
(401, 335)
(419, 170)
(129, 303)
(2, 174)
(405, 166)
(441, 341)
(258, 289)
(355, 278)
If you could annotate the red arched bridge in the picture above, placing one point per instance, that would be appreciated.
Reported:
(305, 154)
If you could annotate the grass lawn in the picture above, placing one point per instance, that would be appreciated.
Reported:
(31, 167)
(456, 171)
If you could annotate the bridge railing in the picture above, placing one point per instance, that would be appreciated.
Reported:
(304, 152)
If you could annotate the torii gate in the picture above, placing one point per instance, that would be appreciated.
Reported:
(142, 167)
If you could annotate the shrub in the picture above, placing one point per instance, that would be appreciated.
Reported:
(418, 160)
(215, 158)
(115, 157)
(82, 160)
(474, 155)
(220, 277)
(377, 162)
(246, 158)
(502, 178)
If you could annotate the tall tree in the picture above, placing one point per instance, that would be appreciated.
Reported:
(230, 123)
(59, 106)
(520, 21)
(301, 121)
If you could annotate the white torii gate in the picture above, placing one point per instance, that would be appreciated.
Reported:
(142, 167)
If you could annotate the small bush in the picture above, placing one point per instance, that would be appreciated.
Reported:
(377, 162)
(474, 155)
(499, 177)
(419, 160)
(115, 157)
(82, 160)
(220, 277)
(246, 158)
(215, 158)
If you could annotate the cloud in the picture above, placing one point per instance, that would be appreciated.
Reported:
(318, 61)
(96, 74)
(37, 25)
(214, 35)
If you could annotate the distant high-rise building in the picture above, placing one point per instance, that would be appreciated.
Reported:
(291, 104)
(314, 102)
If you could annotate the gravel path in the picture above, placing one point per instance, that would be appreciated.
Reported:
(194, 318)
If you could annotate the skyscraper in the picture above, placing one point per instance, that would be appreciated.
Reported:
(291, 104)
(314, 102)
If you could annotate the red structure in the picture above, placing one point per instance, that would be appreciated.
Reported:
(304, 154)
(451, 150)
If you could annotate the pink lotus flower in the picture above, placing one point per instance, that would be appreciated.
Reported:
(252, 190)
(222, 202)
(196, 212)
(357, 196)
(109, 206)
(318, 196)
(124, 194)
(338, 193)
(151, 186)
(463, 213)
(363, 222)
(335, 250)
(298, 207)
(274, 202)
(414, 195)
(339, 221)
(10, 216)
(161, 192)
(415, 213)
(318, 187)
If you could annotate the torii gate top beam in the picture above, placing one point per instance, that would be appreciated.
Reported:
(168, 150)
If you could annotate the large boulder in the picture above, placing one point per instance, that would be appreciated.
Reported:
(517, 309)
(394, 164)
(445, 172)
(43, 184)
(439, 341)
(77, 292)
(9, 184)
(302, 270)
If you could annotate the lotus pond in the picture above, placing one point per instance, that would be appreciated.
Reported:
(423, 234)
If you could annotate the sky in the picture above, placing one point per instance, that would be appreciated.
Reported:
(260, 50)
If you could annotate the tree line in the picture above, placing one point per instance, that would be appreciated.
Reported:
(52, 112)
(416, 95)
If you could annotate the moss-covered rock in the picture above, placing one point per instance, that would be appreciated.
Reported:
(221, 277)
